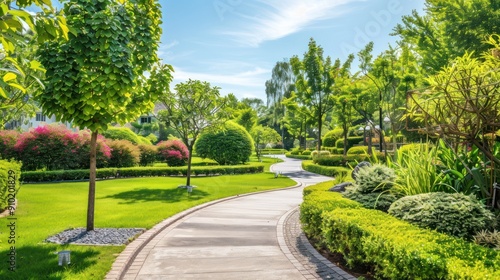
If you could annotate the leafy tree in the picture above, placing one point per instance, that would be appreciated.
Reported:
(298, 118)
(345, 98)
(122, 133)
(279, 87)
(263, 135)
(462, 102)
(193, 107)
(448, 29)
(247, 118)
(97, 76)
(392, 73)
(313, 82)
(229, 145)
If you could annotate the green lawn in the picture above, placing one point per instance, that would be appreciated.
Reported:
(46, 209)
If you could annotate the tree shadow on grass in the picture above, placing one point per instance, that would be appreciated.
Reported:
(160, 195)
(41, 262)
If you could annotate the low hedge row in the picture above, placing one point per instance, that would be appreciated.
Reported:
(105, 173)
(332, 171)
(304, 157)
(393, 248)
(273, 151)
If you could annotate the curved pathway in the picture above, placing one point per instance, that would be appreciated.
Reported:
(254, 236)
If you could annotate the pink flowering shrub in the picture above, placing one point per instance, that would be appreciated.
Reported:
(8, 139)
(174, 152)
(54, 147)
(123, 153)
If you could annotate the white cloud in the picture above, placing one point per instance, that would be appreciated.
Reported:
(274, 19)
(250, 78)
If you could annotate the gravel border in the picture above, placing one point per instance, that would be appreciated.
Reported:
(99, 236)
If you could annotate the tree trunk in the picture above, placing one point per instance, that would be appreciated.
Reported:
(344, 135)
(91, 198)
(188, 173)
(320, 124)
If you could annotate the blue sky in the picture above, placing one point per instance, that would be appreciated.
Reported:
(234, 44)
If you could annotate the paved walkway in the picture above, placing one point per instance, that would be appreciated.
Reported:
(247, 237)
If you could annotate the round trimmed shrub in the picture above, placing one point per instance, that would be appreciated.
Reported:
(148, 154)
(375, 200)
(228, 146)
(8, 139)
(122, 133)
(331, 137)
(375, 178)
(123, 153)
(360, 150)
(173, 152)
(455, 214)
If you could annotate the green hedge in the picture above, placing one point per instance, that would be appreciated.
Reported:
(104, 173)
(332, 171)
(10, 171)
(273, 151)
(332, 150)
(351, 141)
(304, 157)
(393, 248)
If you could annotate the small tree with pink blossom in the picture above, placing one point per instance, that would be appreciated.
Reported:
(174, 152)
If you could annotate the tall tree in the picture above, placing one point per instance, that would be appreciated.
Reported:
(263, 135)
(279, 87)
(93, 79)
(193, 107)
(20, 31)
(448, 29)
(314, 83)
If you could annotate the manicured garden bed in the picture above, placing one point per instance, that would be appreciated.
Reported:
(46, 209)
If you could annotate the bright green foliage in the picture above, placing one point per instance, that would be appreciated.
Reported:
(18, 29)
(97, 76)
(247, 118)
(317, 199)
(10, 173)
(332, 171)
(193, 107)
(374, 200)
(313, 82)
(148, 154)
(373, 178)
(454, 214)
(92, 79)
(228, 146)
(123, 153)
(417, 171)
(263, 135)
(360, 150)
(121, 133)
(392, 248)
(331, 137)
(449, 29)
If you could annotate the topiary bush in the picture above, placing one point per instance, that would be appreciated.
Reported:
(376, 200)
(373, 178)
(228, 146)
(360, 150)
(122, 133)
(331, 137)
(148, 156)
(455, 214)
(123, 153)
(174, 152)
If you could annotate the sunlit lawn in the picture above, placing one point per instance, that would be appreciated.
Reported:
(46, 209)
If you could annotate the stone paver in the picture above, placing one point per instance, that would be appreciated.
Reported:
(254, 236)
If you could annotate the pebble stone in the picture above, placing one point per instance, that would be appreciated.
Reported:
(99, 236)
